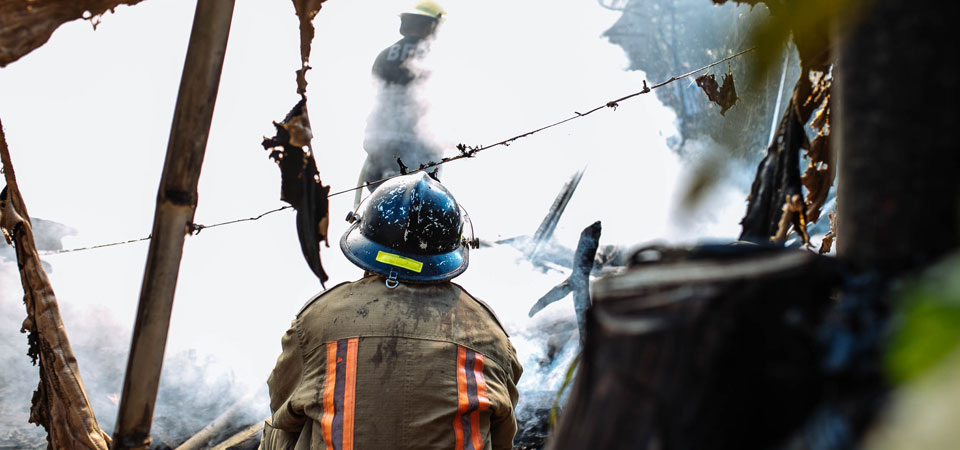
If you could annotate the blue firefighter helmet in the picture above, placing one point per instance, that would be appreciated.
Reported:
(409, 229)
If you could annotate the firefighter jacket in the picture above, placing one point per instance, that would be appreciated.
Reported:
(416, 367)
(396, 63)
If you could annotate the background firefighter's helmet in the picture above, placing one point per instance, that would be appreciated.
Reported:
(409, 229)
(427, 8)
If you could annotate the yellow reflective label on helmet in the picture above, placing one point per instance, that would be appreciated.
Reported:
(399, 261)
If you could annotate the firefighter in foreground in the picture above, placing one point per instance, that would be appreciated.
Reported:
(393, 125)
(402, 358)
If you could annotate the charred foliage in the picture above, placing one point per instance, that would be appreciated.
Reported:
(777, 203)
(724, 95)
(777, 184)
(28, 24)
(300, 184)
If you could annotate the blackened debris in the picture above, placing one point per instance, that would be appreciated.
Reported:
(533, 434)
(777, 180)
(468, 151)
(723, 95)
(579, 280)
(777, 188)
(300, 184)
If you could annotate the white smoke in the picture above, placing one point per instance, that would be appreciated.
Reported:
(17, 378)
(87, 118)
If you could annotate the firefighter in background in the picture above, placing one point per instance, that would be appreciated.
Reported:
(392, 126)
(403, 357)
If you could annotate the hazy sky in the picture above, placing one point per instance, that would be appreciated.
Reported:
(87, 117)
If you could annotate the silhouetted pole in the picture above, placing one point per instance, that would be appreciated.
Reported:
(898, 195)
(176, 204)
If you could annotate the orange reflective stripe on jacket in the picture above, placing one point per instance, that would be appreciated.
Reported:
(339, 394)
(471, 398)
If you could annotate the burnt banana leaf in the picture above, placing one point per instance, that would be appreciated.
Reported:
(300, 184)
(777, 180)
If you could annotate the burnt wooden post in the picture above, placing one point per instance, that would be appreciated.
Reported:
(718, 353)
(176, 204)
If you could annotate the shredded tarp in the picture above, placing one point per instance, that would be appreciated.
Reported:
(60, 404)
(27, 24)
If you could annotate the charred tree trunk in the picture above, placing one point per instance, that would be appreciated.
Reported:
(898, 196)
(176, 204)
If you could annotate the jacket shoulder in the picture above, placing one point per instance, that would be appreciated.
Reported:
(485, 306)
(318, 296)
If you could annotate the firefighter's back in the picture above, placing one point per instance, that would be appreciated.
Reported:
(417, 366)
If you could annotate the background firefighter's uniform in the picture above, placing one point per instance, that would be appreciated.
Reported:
(419, 367)
(392, 127)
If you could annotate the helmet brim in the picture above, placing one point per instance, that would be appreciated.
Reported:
(421, 14)
(383, 260)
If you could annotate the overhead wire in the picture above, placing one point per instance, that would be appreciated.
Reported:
(469, 152)
(465, 152)
(195, 228)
